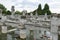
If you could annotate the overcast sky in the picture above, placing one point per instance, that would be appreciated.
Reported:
(31, 5)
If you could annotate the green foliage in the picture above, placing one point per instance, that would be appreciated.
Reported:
(8, 13)
(34, 12)
(58, 37)
(46, 9)
(41, 11)
(2, 7)
(39, 7)
(4, 11)
(48, 12)
(17, 12)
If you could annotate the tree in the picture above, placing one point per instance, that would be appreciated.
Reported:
(46, 10)
(17, 12)
(4, 12)
(46, 7)
(39, 10)
(3, 8)
(39, 7)
(33, 12)
(8, 13)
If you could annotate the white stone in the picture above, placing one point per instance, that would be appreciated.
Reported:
(4, 29)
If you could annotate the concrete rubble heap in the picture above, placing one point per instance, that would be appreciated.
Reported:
(35, 26)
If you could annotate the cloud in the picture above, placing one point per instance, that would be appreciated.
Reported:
(55, 10)
(31, 5)
(17, 0)
(25, 8)
(32, 1)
